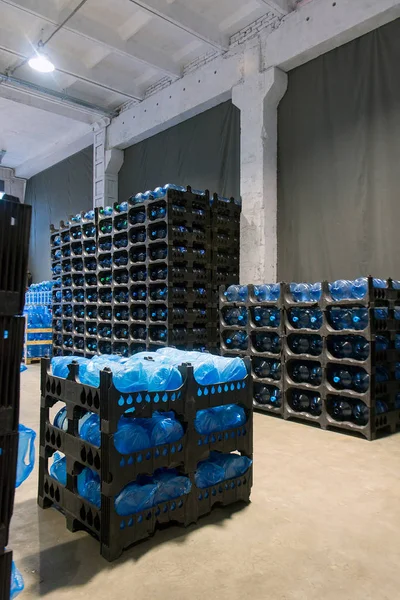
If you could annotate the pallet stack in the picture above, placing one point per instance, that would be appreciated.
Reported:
(15, 222)
(114, 532)
(334, 363)
(74, 248)
(160, 259)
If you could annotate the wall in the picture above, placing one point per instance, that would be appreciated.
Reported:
(55, 194)
(339, 148)
(203, 151)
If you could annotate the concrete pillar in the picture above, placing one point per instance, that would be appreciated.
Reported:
(14, 186)
(106, 166)
(258, 98)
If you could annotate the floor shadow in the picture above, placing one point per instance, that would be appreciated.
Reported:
(59, 564)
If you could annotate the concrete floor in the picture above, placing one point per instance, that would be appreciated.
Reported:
(323, 524)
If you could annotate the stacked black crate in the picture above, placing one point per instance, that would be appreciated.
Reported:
(361, 383)
(66, 289)
(15, 221)
(135, 317)
(254, 326)
(78, 287)
(104, 280)
(55, 259)
(115, 532)
(304, 359)
(178, 241)
(90, 267)
(225, 243)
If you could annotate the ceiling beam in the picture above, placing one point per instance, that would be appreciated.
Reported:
(279, 7)
(103, 35)
(45, 100)
(67, 66)
(179, 15)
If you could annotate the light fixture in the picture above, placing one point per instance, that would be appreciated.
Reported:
(41, 63)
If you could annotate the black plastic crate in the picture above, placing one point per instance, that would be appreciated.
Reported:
(305, 404)
(5, 574)
(15, 223)
(375, 297)
(8, 469)
(11, 347)
(116, 533)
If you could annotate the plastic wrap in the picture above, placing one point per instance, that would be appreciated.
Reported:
(220, 467)
(26, 453)
(219, 418)
(17, 582)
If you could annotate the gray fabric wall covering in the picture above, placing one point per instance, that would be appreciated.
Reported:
(339, 163)
(203, 152)
(55, 194)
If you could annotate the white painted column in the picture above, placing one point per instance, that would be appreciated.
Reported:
(106, 166)
(258, 98)
(15, 186)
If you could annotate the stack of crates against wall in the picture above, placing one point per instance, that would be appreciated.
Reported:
(38, 325)
(55, 259)
(225, 243)
(115, 470)
(178, 265)
(362, 368)
(252, 324)
(15, 221)
(304, 359)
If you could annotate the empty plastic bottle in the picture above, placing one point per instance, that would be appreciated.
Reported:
(105, 296)
(121, 277)
(301, 373)
(139, 313)
(159, 292)
(315, 405)
(266, 316)
(236, 293)
(121, 296)
(139, 293)
(121, 260)
(158, 273)
(306, 318)
(121, 332)
(105, 331)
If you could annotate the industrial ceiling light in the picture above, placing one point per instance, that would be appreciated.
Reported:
(41, 63)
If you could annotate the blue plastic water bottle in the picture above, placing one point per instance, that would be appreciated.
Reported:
(300, 292)
(359, 288)
(361, 414)
(341, 289)
(360, 381)
(342, 410)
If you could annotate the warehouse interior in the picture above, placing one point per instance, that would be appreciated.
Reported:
(203, 199)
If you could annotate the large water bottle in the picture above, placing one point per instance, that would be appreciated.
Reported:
(236, 293)
(268, 292)
(342, 347)
(361, 414)
(315, 291)
(381, 407)
(382, 343)
(263, 368)
(301, 373)
(342, 410)
(342, 379)
(300, 292)
(361, 381)
(341, 289)
(360, 348)
(359, 317)
(268, 342)
(236, 316)
(315, 377)
(315, 405)
(268, 395)
(237, 340)
(359, 288)
(266, 317)
(300, 401)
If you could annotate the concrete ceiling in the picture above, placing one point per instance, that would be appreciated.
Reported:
(106, 54)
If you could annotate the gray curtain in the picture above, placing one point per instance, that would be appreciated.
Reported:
(55, 194)
(203, 152)
(339, 163)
